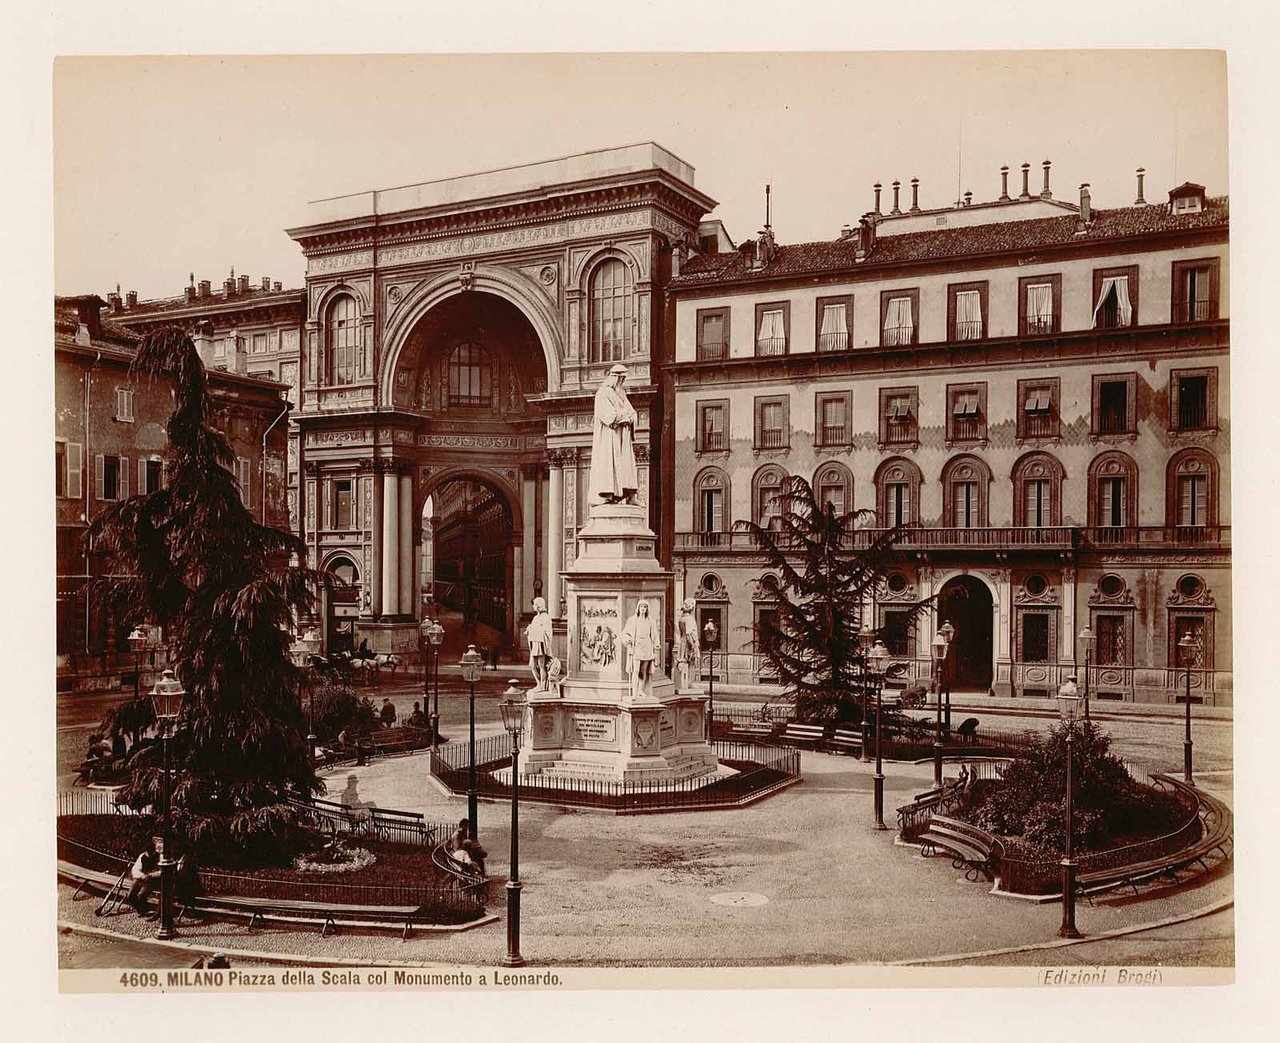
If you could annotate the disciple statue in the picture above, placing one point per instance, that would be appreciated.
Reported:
(686, 643)
(640, 638)
(538, 634)
(613, 459)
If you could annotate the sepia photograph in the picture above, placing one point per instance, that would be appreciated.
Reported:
(671, 519)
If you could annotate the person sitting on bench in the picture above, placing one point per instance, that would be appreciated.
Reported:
(145, 873)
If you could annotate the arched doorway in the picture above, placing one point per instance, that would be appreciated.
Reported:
(344, 602)
(966, 602)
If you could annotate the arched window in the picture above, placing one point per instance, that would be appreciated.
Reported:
(344, 571)
(1191, 494)
(833, 484)
(711, 503)
(342, 329)
(966, 481)
(1037, 491)
(766, 490)
(898, 483)
(470, 377)
(1113, 496)
(612, 297)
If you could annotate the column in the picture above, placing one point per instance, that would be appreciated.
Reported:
(375, 559)
(528, 505)
(406, 544)
(554, 535)
(1067, 640)
(929, 621)
(517, 585)
(390, 545)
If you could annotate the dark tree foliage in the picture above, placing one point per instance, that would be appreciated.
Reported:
(338, 708)
(194, 560)
(823, 570)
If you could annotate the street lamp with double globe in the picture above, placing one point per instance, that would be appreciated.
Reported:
(710, 632)
(513, 721)
(1188, 646)
(879, 657)
(1086, 643)
(166, 699)
(472, 663)
(949, 632)
(1069, 707)
(433, 634)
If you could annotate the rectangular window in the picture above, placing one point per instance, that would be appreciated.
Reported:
(1195, 290)
(835, 323)
(831, 422)
(713, 426)
(1036, 493)
(1111, 502)
(1110, 649)
(898, 414)
(964, 503)
(897, 496)
(771, 423)
(1192, 407)
(899, 317)
(966, 412)
(342, 512)
(243, 479)
(773, 328)
(833, 493)
(60, 468)
(1180, 627)
(113, 477)
(150, 474)
(1038, 409)
(1113, 406)
(1193, 500)
(1035, 637)
(967, 310)
(1115, 296)
(124, 405)
(259, 344)
(713, 333)
(895, 631)
(769, 510)
(712, 510)
(1039, 304)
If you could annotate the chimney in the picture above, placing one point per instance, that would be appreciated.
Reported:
(1142, 173)
(1004, 183)
(876, 186)
(244, 284)
(1044, 192)
(276, 286)
(846, 231)
(206, 288)
(229, 286)
(1026, 174)
(191, 293)
(915, 195)
(866, 238)
(968, 199)
(748, 252)
(896, 209)
(131, 299)
(266, 282)
(1086, 212)
(114, 300)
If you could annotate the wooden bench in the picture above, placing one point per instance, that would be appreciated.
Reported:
(751, 730)
(811, 735)
(389, 820)
(970, 848)
(846, 740)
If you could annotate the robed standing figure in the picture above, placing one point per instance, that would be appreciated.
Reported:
(613, 458)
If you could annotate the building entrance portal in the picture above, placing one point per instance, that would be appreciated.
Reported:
(966, 602)
(472, 554)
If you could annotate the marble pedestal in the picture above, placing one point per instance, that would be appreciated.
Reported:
(598, 724)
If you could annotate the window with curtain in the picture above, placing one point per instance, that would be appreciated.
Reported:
(968, 315)
(612, 297)
(1040, 308)
(1112, 308)
(343, 331)
(713, 334)
(470, 377)
(771, 336)
(712, 505)
(712, 428)
(832, 486)
(899, 323)
(833, 334)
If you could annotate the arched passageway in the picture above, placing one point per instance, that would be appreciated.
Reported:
(966, 602)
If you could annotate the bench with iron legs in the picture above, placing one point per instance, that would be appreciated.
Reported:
(749, 730)
(810, 735)
(846, 740)
(968, 846)
(412, 823)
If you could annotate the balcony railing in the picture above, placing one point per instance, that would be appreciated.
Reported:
(771, 438)
(1111, 319)
(1040, 424)
(968, 329)
(771, 346)
(1037, 325)
(1195, 311)
(833, 341)
(712, 350)
(966, 429)
(713, 440)
(995, 538)
(899, 430)
(834, 434)
(1193, 415)
(1113, 423)
(894, 336)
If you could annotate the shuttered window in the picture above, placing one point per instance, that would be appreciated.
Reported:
(124, 405)
(897, 504)
(771, 423)
(713, 510)
(964, 500)
(1193, 500)
(1111, 500)
(112, 477)
(1036, 492)
(150, 476)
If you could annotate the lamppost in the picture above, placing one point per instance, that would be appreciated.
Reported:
(1086, 641)
(166, 698)
(948, 632)
(866, 639)
(137, 642)
(1068, 707)
(710, 632)
(513, 721)
(879, 657)
(1189, 645)
(433, 632)
(939, 646)
(472, 662)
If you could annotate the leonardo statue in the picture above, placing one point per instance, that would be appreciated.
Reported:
(613, 459)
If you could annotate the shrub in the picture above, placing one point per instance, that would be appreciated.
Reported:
(338, 708)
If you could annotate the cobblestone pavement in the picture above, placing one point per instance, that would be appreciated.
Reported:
(608, 890)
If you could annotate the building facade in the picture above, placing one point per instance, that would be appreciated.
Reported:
(1037, 390)
(109, 444)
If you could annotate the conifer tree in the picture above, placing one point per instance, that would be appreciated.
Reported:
(195, 561)
(823, 570)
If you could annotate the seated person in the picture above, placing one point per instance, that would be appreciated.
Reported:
(466, 851)
(145, 876)
(417, 719)
(388, 714)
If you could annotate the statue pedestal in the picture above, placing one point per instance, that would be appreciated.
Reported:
(598, 724)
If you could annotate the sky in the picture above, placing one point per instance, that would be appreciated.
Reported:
(168, 166)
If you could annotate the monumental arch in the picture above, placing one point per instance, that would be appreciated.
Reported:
(456, 333)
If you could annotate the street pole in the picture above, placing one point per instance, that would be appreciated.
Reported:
(937, 728)
(1186, 743)
(435, 713)
(513, 957)
(311, 720)
(1068, 928)
(472, 811)
(1088, 655)
(166, 930)
(879, 775)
